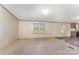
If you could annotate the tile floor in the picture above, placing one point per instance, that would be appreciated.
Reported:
(50, 46)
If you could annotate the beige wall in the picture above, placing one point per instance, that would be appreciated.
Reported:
(8, 28)
(52, 30)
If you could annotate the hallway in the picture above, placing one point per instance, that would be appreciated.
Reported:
(50, 46)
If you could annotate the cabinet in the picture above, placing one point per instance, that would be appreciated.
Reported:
(73, 30)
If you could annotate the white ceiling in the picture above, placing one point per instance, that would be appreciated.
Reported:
(57, 12)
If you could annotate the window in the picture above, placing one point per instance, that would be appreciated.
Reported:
(38, 28)
(63, 29)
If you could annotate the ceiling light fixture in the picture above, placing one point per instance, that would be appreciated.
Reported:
(45, 11)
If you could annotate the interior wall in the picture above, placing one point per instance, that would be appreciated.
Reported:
(8, 28)
(52, 30)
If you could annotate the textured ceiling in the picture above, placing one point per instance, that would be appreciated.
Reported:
(57, 12)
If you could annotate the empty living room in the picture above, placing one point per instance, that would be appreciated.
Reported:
(39, 29)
